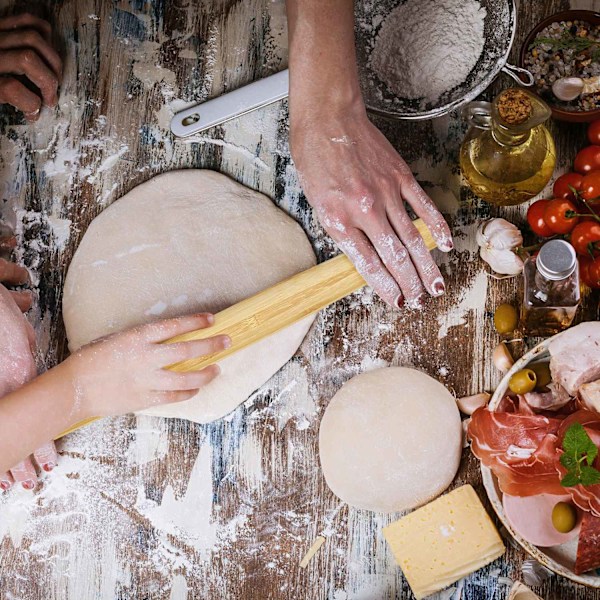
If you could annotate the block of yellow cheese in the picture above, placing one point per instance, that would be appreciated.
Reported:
(444, 541)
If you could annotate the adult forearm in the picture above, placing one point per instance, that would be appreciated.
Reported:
(36, 413)
(322, 61)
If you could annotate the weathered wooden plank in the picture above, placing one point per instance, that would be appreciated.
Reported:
(149, 508)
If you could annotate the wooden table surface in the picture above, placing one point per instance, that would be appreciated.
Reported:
(143, 507)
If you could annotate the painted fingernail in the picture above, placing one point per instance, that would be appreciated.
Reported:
(48, 466)
(5, 485)
(399, 302)
(447, 246)
(28, 484)
(439, 287)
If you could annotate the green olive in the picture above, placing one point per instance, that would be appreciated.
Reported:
(522, 381)
(542, 372)
(505, 318)
(564, 517)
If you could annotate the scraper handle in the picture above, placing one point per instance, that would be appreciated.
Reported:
(231, 105)
(276, 308)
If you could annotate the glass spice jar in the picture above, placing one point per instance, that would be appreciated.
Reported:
(551, 289)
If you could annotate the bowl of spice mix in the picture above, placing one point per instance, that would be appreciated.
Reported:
(566, 45)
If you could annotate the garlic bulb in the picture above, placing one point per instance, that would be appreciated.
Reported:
(497, 239)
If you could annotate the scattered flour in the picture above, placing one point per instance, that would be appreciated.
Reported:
(472, 298)
(428, 47)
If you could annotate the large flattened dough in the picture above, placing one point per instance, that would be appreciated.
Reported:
(390, 440)
(185, 242)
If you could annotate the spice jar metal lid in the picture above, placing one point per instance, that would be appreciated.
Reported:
(556, 260)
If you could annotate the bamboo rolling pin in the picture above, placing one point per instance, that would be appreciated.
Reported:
(276, 308)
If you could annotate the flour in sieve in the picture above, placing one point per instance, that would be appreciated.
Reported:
(427, 47)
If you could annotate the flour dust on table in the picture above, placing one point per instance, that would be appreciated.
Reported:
(186, 242)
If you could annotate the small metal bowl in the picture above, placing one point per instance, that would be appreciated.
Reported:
(499, 32)
(558, 559)
(571, 116)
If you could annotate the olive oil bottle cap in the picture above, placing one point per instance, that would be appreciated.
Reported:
(556, 260)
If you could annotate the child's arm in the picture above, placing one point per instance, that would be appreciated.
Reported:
(115, 375)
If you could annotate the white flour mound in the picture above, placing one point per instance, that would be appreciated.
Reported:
(428, 47)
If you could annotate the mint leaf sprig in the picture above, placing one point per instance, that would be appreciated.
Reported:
(578, 458)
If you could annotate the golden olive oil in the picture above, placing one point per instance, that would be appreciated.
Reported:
(508, 162)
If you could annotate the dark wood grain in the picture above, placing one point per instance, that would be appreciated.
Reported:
(93, 529)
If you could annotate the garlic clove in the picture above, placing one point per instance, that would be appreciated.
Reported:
(522, 592)
(469, 404)
(500, 234)
(505, 262)
(568, 88)
(502, 358)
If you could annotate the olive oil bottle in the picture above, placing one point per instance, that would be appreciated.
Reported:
(508, 155)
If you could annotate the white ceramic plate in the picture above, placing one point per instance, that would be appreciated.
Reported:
(559, 559)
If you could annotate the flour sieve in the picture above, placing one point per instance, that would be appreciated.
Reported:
(499, 32)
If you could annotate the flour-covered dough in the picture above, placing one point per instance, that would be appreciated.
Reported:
(185, 242)
(390, 440)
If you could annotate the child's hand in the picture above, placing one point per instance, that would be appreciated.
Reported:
(26, 50)
(124, 372)
(17, 366)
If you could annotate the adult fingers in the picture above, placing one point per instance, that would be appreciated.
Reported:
(27, 20)
(359, 250)
(163, 330)
(421, 257)
(171, 381)
(6, 481)
(30, 38)
(397, 260)
(23, 299)
(46, 456)
(13, 92)
(172, 353)
(27, 62)
(424, 207)
(13, 274)
(25, 473)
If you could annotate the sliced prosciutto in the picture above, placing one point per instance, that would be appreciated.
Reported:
(519, 448)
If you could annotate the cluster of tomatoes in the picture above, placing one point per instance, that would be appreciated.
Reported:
(574, 211)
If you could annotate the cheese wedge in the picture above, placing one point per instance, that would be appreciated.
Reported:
(444, 541)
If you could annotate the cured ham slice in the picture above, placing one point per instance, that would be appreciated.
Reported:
(575, 356)
(546, 400)
(588, 548)
(519, 448)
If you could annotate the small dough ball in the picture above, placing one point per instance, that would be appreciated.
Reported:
(390, 440)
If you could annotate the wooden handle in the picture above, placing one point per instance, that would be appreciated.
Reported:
(276, 308)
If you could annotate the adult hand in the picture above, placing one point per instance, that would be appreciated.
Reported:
(358, 185)
(26, 50)
(17, 367)
(125, 372)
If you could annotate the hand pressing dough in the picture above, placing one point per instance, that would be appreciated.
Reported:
(390, 440)
(186, 242)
